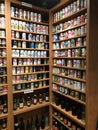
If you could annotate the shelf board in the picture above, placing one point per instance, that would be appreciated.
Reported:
(31, 108)
(4, 84)
(26, 57)
(32, 49)
(3, 116)
(41, 23)
(78, 79)
(3, 75)
(2, 37)
(66, 48)
(31, 65)
(30, 32)
(70, 97)
(69, 114)
(25, 40)
(77, 13)
(2, 28)
(27, 90)
(58, 66)
(1, 47)
(61, 122)
(31, 81)
(39, 72)
(3, 57)
(70, 87)
(3, 66)
(2, 15)
(70, 28)
(3, 93)
(74, 37)
(63, 57)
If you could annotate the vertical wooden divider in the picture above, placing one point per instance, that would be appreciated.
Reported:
(9, 65)
(92, 66)
(51, 64)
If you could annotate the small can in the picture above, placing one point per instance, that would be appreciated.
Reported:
(15, 61)
(24, 14)
(35, 17)
(82, 30)
(24, 36)
(20, 13)
(12, 11)
(32, 16)
(23, 44)
(20, 25)
(28, 15)
(39, 18)
(78, 20)
(83, 51)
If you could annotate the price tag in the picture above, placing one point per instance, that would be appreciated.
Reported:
(26, 4)
(28, 91)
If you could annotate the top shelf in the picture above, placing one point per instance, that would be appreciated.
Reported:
(71, 16)
(26, 20)
(2, 15)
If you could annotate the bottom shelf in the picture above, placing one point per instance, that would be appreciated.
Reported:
(68, 114)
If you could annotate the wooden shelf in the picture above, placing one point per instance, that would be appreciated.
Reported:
(69, 115)
(35, 49)
(31, 81)
(41, 23)
(39, 72)
(3, 116)
(28, 40)
(78, 79)
(2, 28)
(66, 67)
(70, 87)
(23, 31)
(30, 57)
(83, 10)
(31, 108)
(3, 75)
(2, 15)
(1, 47)
(31, 65)
(70, 97)
(61, 122)
(27, 90)
(66, 48)
(4, 84)
(70, 28)
(2, 37)
(3, 66)
(66, 39)
(3, 57)
(63, 57)
(3, 93)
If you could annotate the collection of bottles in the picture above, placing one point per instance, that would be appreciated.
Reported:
(25, 14)
(70, 73)
(70, 33)
(35, 123)
(69, 10)
(68, 91)
(70, 82)
(26, 53)
(29, 77)
(70, 63)
(69, 124)
(30, 99)
(79, 42)
(66, 104)
(80, 52)
(28, 69)
(3, 89)
(3, 105)
(2, 8)
(33, 45)
(26, 26)
(72, 23)
(66, 121)
(26, 86)
(3, 123)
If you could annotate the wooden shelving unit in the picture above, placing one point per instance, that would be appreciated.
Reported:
(64, 44)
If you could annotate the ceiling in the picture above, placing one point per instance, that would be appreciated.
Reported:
(48, 4)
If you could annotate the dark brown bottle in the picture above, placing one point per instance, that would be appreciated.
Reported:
(16, 124)
(15, 104)
(1, 106)
(5, 108)
(32, 126)
(37, 125)
(28, 101)
(22, 125)
(43, 122)
(28, 125)
(4, 123)
(21, 103)
(40, 98)
(35, 99)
